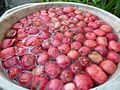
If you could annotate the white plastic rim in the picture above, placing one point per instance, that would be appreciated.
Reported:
(113, 83)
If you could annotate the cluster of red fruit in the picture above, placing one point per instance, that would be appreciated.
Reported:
(60, 49)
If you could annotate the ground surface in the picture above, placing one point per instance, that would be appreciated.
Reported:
(13, 3)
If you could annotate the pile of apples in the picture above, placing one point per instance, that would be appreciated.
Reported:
(62, 48)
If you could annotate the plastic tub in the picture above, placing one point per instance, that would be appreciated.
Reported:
(13, 15)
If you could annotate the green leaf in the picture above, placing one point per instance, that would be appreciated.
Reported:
(59, 0)
(47, 0)
(113, 6)
(78, 1)
(117, 8)
(84, 1)
(52, 0)
(100, 3)
(72, 0)
(103, 3)
(94, 1)
(110, 5)
(87, 1)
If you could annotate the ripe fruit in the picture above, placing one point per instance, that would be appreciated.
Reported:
(111, 36)
(59, 36)
(95, 57)
(64, 48)
(84, 50)
(77, 11)
(106, 28)
(68, 9)
(90, 35)
(23, 20)
(96, 73)
(101, 50)
(46, 44)
(73, 20)
(73, 54)
(20, 44)
(66, 76)
(10, 62)
(17, 26)
(39, 82)
(21, 36)
(33, 41)
(13, 72)
(108, 66)
(21, 30)
(52, 70)
(76, 68)
(44, 35)
(25, 78)
(6, 43)
(7, 52)
(28, 61)
(75, 45)
(84, 61)
(56, 42)
(81, 23)
(79, 37)
(43, 58)
(57, 25)
(113, 56)
(102, 41)
(63, 17)
(93, 25)
(88, 29)
(33, 31)
(44, 27)
(69, 86)
(99, 22)
(80, 17)
(99, 32)
(54, 84)
(11, 33)
(38, 70)
(90, 43)
(114, 46)
(83, 82)
(66, 40)
(53, 52)
(68, 34)
(63, 60)
(36, 50)
(64, 29)
(66, 22)
(21, 51)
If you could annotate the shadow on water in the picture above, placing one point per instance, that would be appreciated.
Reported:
(2, 8)
(1, 88)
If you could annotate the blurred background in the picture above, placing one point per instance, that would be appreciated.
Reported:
(112, 6)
